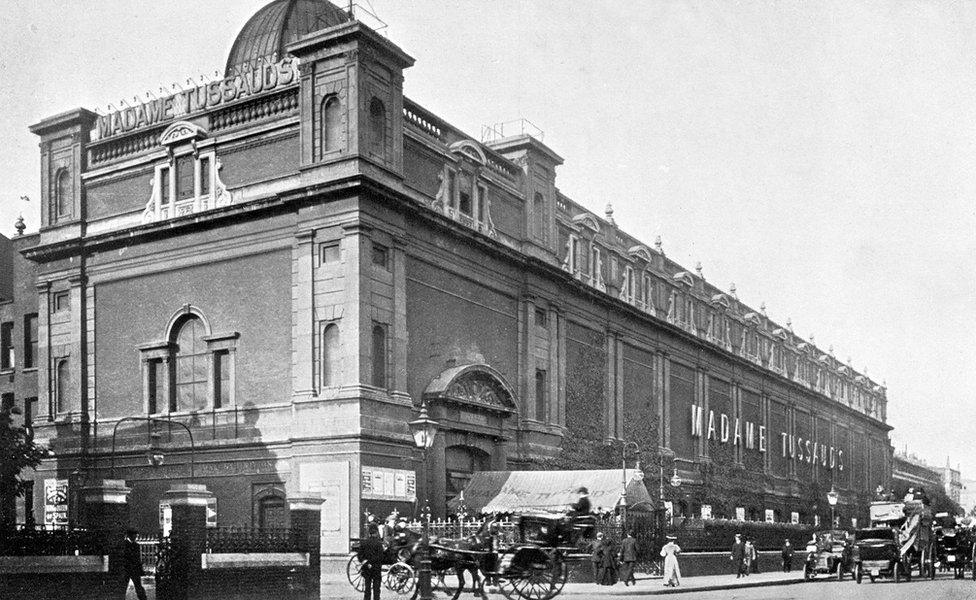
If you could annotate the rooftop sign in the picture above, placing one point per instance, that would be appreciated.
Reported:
(263, 78)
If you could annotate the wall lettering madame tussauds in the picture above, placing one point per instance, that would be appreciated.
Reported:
(752, 437)
(263, 78)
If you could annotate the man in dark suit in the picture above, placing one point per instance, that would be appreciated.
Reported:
(132, 563)
(628, 556)
(738, 556)
(370, 555)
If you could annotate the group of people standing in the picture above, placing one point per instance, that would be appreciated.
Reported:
(744, 557)
(612, 564)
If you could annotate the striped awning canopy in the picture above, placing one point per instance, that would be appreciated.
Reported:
(522, 492)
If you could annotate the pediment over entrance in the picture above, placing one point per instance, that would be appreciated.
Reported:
(476, 386)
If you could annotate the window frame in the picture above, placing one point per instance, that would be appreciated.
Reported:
(379, 357)
(8, 357)
(31, 339)
(379, 249)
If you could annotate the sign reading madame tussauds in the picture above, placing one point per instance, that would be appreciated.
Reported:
(263, 78)
(748, 435)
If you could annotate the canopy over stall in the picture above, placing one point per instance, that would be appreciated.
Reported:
(534, 491)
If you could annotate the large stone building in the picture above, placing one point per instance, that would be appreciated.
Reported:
(290, 260)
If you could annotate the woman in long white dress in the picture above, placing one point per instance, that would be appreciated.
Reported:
(672, 574)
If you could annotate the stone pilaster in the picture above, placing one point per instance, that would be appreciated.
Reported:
(105, 509)
(303, 326)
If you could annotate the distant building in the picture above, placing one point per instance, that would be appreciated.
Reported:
(967, 496)
(291, 260)
(915, 472)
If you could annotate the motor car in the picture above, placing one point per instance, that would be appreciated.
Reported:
(877, 553)
(831, 553)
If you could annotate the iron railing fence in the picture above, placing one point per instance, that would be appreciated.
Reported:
(255, 539)
(27, 540)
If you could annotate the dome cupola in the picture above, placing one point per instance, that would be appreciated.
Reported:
(278, 24)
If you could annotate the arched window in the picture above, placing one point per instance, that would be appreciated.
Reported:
(62, 194)
(377, 125)
(379, 355)
(62, 385)
(330, 124)
(330, 356)
(191, 366)
(539, 215)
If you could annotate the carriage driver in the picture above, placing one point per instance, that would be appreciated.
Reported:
(581, 507)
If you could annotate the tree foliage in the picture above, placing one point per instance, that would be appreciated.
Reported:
(17, 452)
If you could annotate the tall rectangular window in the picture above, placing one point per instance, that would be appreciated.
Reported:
(597, 263)
(482, 202)
(62, 385)
(221, 367)
(157, 376)
(541, 318)
(541, 394)
(30, 341)
(30, 409)
(6, 345)
(379, 355)
(204, 175)
(184, 177)
(164, 185)
(464, 202)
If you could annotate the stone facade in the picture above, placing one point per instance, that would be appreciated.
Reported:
(289, 270)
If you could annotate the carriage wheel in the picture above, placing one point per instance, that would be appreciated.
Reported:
(443, 584)
(354, 573)
(539, 578)
(400, 579)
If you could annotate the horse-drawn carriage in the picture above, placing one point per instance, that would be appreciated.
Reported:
(533, 566)
(954, 546)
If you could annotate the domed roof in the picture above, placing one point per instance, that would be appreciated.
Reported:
(278, 24)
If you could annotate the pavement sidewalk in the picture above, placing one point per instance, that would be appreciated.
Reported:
(336, 587)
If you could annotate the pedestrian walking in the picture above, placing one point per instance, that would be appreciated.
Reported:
(755, 557)
(596, 557)
(628, 559)
(738, 556)
(370, 555)
(750, 554)
(670, 552)
(132, 563)
(609, 566)
(787, 554)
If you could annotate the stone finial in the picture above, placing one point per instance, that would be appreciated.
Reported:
(609, 214)
(812, 340)
(658, 244)
(762, 309)
(789, 324)
(732, 290)
(831, 350)
(698, 269)
(20, 226)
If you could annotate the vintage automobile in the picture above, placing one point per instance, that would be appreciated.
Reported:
(953, 547)
(877, 553)
(829, 552)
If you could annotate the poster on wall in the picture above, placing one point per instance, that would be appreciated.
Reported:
(795, 518)
(55, 503)
(668, 510)
(379, 483)
(740, 513)
(706, 511)
(770, 516)
(212, 511)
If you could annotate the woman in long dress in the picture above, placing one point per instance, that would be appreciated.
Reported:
(672, 574)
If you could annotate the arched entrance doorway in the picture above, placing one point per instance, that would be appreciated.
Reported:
(476, 409)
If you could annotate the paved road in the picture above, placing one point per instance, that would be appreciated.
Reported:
(940, 589)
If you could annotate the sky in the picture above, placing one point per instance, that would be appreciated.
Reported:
(820, 155)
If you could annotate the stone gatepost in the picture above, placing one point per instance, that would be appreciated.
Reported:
(105, 510)
(305, 514)
(187, 540)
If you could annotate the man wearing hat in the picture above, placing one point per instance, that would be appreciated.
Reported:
(370, 555)
(738, 557)
(670, 552)
(132, 563)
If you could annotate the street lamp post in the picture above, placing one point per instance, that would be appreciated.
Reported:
(424, 430)
(623, 481)
(832, 497)
(154, 454)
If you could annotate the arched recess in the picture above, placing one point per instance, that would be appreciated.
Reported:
(478, 386)
(185, 312)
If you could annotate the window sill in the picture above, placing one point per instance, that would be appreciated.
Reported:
(7, 371)
(29, 370)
